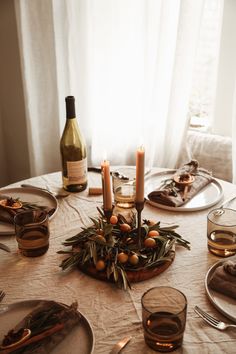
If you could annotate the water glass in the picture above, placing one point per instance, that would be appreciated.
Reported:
(123, 182)
(221, 232)
(32, 232)
(164, 311)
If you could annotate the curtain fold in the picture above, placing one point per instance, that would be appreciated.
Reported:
(224, 119)
(234, 136)
(38, 62)
(129, 65)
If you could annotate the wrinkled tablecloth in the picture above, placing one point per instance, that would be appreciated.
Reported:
(114, 313)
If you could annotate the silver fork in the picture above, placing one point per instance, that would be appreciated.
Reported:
(2, 294)
(212, 320)
(120, 345)
(220, 210)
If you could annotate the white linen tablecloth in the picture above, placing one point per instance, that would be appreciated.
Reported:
(115, 313)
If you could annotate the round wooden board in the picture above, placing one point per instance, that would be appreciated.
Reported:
(134, 276)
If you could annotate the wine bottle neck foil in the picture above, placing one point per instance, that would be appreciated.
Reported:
(70, 107)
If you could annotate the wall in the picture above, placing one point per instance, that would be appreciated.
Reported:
(3, 165)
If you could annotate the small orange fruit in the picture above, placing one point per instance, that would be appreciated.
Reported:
(113, 219)
(100, 238)
(122, 257)
(133, 259)
(125, 227)
(100, 231)
(149, 242)
(153, 233)
(100, 265)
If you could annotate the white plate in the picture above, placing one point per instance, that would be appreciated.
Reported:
(207, 197)
(32, 195)
(79, 341)
(225, 304)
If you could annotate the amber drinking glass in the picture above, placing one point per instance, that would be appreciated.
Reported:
(221, 232)
(164, 311)
(32, 232)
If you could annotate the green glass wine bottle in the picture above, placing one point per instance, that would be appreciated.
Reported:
(73, 152)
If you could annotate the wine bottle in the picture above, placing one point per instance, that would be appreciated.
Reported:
(73, 152)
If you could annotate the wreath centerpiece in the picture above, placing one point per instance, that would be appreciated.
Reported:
(112, 249)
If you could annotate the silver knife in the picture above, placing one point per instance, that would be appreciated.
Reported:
(56, 195)
(4, 247)
(31, 186)
(120, 345)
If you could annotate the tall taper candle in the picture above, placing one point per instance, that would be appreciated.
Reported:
(106, 185)
(140, 165)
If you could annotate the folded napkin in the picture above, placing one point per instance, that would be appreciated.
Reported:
(223, 279)
(49, 323)
(7, 214)
(171, 193)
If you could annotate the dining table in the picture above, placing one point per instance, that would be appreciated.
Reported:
(114, 313)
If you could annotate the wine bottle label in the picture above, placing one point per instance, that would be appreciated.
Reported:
(77, 171)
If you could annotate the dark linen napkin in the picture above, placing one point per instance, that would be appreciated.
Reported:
(7, 215)
(223, 279)
(171, 193)
(46, 316)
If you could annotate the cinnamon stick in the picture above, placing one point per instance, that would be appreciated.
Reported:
(95, 191)
(58, 327)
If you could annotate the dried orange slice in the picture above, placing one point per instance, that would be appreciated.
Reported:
(11, 203)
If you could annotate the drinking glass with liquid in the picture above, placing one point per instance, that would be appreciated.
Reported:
(32, 232)
(221, 232)
(164, 311)
(124, 188)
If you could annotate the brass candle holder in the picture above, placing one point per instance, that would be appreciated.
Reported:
(108, 213)
(139, 207)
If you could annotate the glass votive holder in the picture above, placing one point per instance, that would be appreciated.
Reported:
(221, 232)
(164, 311)
(32, 232)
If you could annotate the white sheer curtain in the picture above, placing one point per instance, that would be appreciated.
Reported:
(234, 136)
(224, 119)
(128, 63)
